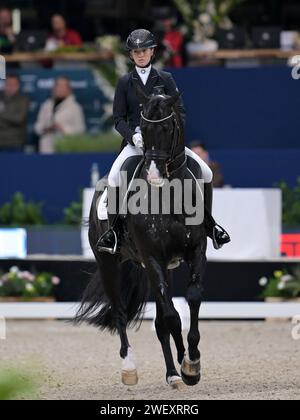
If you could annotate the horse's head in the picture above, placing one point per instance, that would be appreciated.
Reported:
(161, 133)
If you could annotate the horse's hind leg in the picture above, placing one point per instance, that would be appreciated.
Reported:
(111, 274)
(112, 278)
(167, 320)
(191, 367)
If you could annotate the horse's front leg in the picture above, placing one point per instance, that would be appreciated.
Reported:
(191, 367)
(167, 321)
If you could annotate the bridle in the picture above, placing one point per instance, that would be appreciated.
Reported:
(157, 121)
(161, 155)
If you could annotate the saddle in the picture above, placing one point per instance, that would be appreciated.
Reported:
(194, 167)
(131, 165)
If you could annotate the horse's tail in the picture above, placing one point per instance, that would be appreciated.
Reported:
(96, 307)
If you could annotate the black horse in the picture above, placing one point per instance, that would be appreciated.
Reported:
(155, 244)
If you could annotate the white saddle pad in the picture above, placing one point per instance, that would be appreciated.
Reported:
(102, 207)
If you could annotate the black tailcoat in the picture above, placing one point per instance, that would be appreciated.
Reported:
(127, 108)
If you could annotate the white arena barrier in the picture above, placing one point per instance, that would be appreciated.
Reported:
(13, 243)
(255, 211)
(211, 310)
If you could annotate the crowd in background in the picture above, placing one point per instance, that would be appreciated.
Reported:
(60, 35)
(61, 114)
(171, 40)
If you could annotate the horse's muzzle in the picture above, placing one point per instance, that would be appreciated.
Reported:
(154, 177)
(158, 183)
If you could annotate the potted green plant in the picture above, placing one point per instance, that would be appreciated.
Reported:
(18, 212)
(282, 286)
(20, 286)
(291, 206)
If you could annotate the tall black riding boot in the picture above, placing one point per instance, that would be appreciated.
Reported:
(109, 242)
(218, 235)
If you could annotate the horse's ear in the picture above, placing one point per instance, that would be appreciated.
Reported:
(142, 97)
(173, 99)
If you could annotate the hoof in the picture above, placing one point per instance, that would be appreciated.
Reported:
(175, 382)
(130, 377)
(191, 380)
(191, 372)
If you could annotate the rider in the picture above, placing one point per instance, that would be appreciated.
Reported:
(127, 113)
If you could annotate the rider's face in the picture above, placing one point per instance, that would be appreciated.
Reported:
(142, 57)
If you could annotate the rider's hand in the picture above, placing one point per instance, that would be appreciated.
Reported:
(138, 140)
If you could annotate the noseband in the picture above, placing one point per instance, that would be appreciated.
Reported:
(160, 155)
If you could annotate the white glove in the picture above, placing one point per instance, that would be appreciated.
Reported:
(138, 140)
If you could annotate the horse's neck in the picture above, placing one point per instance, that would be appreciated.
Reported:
(180, 149)
(181, 138)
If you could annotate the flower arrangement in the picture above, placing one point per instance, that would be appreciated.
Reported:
(282, 285)
(204, 17)
(119, 66)
(23, 284)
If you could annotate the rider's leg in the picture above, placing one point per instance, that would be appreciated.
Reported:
(207, 174)
(109, 240)
(127, 152)
(214, 231)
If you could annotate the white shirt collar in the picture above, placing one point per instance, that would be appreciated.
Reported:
(144, 73)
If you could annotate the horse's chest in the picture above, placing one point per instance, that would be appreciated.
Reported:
(162, 232)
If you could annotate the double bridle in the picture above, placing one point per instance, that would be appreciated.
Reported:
(168, 158)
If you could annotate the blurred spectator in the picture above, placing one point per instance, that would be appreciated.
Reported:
(201, 150)
(14, 109)
(60, 115)
(61, 35)
(173, 41)
(7, 37)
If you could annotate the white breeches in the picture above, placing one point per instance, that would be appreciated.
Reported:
(128, 151)
(207, 174)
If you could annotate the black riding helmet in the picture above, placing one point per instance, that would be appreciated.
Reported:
(140, 39)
